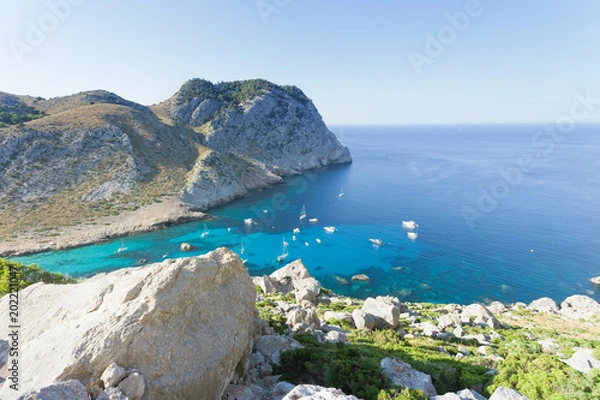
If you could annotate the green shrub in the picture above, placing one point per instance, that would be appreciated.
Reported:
(26, 275)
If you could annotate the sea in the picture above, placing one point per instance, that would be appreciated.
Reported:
(504, 212)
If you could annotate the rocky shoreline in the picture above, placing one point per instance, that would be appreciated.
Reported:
(233, 337)
(149, 218)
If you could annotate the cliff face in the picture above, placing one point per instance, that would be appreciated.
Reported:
(71, 160)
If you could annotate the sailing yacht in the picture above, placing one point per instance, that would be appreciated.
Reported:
(205, 233)
(341, 193)
(377, 242)
(302, 213)
(284, 252)
(410, 225)
(122, 248)
(329, 229)
(242, 250)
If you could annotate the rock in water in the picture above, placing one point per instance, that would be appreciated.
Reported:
(173, 322)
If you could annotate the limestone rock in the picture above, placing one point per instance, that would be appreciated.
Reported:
(583, 360)
(481, 315)
(72, 390)
(173, 322)
(112, 393)
(544, 304)
(133, 386)
(497, 308)
(465, 394)
(385, 311)
(266, 284)
(315, 392)
(113, 374)
(271, 346)
(286, 276)
(303, 321)
(362, 320)
(307, 289)
(403, 374)
(579, 306)
(361, 277)
(338, 315)
(185, 246)
(502, 393)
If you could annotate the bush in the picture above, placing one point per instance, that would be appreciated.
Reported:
(26, 275)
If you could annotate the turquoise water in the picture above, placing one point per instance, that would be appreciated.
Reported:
(491, 225)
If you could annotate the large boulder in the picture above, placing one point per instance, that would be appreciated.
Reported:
(579, 306)
(465, 394)
(384, 310)
(480, 315)
(583, 360)
(72, 390)
(544, 304)
(403, 374)
(286, 278)
(184, 325)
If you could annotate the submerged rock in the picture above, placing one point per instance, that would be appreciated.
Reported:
(173, 322)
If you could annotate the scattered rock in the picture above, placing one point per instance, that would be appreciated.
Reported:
(579, 306)
(403, 374)
(497, 308)
(361, 277)
(72, 390)
(544, 304)
(185, 246)
(314, 392)
(303, 321)
(502, 393)
(465, 394)
(338, 315)
(133, 386)
(481, 316)
(112, 394)
(306, 289)
(271, 346)
(362, 320)
(595, 280)
(384, 310)
(113, 374)
(583, 360)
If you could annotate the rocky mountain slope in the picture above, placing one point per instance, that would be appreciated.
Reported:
(74, 160)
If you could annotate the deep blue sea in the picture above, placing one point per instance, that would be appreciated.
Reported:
(505, 212)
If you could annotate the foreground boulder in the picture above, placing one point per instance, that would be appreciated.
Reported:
(579, 306)
(184, 325)
(403, 374)
(503, 393)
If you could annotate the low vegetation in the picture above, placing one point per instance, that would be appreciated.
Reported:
(515, 359)
(25, 275)
(18, 113)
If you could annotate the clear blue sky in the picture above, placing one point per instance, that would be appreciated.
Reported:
(516, 61)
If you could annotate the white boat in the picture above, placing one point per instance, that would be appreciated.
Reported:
(296, 231)
(294, 238)
(330, 229)
(284, 252)
(302, 213)
(377, 242)
(409, 225)
(306, 244)
(265, 211)
(341, 194)
(242, 251)
(318, 240)
(313, 220)
(205, 232)
(248, 221)
(122, 248)
(412, 235)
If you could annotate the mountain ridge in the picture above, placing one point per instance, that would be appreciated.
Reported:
(71, 161)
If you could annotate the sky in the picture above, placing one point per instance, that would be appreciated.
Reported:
(384, 62)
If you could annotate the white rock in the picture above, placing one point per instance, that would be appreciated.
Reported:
(497, 308)
(579, 306)
(384, 311)
(173, 322)
(133, 386)
(403, 374)
(362, 320)
(112, 394)
(465, 394)
(72, 390)
(307, 289)
(185, 246)
(544, 304)
(583, 360)
(338, 315)
(315, 392)
(481, 315)
(502, 393)
(271, 346)
(112, 375)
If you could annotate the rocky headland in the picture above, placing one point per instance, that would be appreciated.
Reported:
(202, 328)
(91, 166)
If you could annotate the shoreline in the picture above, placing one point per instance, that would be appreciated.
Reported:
(155, 216)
